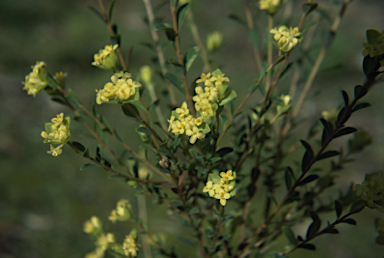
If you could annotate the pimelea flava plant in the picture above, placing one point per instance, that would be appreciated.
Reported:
(205, 158)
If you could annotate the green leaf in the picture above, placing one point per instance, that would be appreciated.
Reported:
(144, 130)
(138, 104)
(72, 97)
(360, 106)
(78, 146)
(360, 92)
(338, 209)
(344, 131)
(86, 153)
(288, 175)
(95, 11)
(349, 221)
(111, 9)
(346, 99)
(175, 80)
(370, 67)
(195, 153)
(228, 97)
(253, 88)
(194, 210)
(308, 26)
(254, 37)
(163, 26)
(130, 110)
(315, 225)
(289, 234)
(190, 57)
(307, 157)
(224, 151)
(181, 15)
(331, 231)
(357, 206)
(238, 19)
(52, 82)
(308, 247)
(328, 154)
(308, 179)
(89, 166)
(373, 36)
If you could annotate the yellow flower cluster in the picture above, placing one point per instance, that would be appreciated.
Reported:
(221, 188)
(98, 253)
(184, 123)
(120, 89)
(130, 244)
(107, 241)
(122, 212)
(206, 103)
(286, 38)
(372, 190)
(270, 6)
(106, 58)
(36, 81)
(206, 100)
(57, 132)
(376, 47)
(93, 226)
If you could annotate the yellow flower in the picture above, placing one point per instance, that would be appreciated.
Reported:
(210, 188)
(194, 134)
(93, 226)
(183, 110)
(98, 253)
(222, 196)
(57, 132)
(130, 245)
(122, 212)
(330, 115)
(104, 240)
(120, 89)
(270, 6)
(36, 81)
(227, 176)
(286, 39)
(106, 58)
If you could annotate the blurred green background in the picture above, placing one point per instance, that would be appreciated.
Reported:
(45, 200)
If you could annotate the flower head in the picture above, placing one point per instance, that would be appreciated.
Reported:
(221, 187)
(270, 6)
(106, 58)
(372, 190)
(120, 89)
(130, 244)
(122, 212)
(93, 226)
(286, 38)
(57, 132)
(36, 81)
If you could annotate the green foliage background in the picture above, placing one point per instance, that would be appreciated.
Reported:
(45, 200)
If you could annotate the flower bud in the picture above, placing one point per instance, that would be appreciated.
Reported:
(146, 74)
(214, 41)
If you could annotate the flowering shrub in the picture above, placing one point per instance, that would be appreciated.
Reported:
(205, 157)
